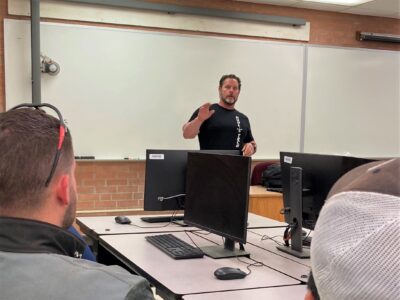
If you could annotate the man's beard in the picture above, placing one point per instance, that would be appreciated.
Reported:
(70, 213)
(229, 100)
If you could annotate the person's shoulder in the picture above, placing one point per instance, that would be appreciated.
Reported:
(242, 115)
(60, 273)
(110, 278)
(215, 106)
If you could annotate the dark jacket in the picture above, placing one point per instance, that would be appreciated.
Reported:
(41, 261)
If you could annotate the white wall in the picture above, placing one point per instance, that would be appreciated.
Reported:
(123, 91)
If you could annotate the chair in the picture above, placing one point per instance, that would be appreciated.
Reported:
(258, 169)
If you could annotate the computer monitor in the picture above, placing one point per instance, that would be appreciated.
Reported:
(217, 197)
(306, 180)
(319, 173)
(165, 178)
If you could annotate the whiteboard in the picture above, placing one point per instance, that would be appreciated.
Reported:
(353, 102)
(124, 91)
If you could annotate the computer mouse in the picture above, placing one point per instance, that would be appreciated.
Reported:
(122, 220)
(227, 273)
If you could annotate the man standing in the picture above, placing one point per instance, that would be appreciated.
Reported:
(39, 258)
(220, 126)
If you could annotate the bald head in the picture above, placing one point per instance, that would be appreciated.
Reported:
(378, 176)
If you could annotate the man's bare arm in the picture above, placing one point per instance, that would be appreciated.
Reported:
(192, 128)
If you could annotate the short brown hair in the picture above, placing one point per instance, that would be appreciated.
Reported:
(231, 76)
(28, 145)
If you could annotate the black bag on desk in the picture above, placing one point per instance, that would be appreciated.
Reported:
(271, 176)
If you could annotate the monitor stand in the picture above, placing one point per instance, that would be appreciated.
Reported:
(225, 251)
(307, 241)
(180, 223)
(163, 219)
(296, 212)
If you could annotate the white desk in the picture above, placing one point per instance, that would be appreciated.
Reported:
(126, 245)
(96, 226)
(256, 221)
(293, 292)
(175, 278)
(254, 237)
(265, 251)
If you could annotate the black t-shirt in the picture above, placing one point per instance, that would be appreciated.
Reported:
(226, 129)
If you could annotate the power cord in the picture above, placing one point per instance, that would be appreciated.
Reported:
(272, 238)
(187, 233)
(249, 265)
(266, 237)
(161, 198)
(287, 235)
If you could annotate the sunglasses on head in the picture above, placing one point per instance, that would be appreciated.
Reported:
(62, 131)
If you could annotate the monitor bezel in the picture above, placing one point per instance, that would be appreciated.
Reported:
(299, 159)
(242, 237)
(152, 204)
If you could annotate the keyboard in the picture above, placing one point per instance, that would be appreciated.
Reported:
(161, 219)
(174, 247)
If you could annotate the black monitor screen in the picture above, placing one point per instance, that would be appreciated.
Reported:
(217, 194)
(319, 173)
(166, 177)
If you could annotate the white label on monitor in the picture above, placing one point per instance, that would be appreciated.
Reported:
(156, 156)
(287, 159)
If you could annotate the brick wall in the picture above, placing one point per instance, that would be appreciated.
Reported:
(109, 187)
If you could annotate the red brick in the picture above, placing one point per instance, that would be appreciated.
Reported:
(106, 189)
(141, 188)
(105, 197)
(95, 182)
(86, 189)
(85, 205)
(128, 189)
(138, 196)
(117, 182)
(105, 204)
(89, 197)
(127, 204)
(127, 175)
(122, 196)
(106, 175)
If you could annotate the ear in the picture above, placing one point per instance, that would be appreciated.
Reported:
(309, 295)
(62, 190)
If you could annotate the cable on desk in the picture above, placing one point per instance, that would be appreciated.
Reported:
(187, 233)
(201, 232)
(249, 265)
(266, 237)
